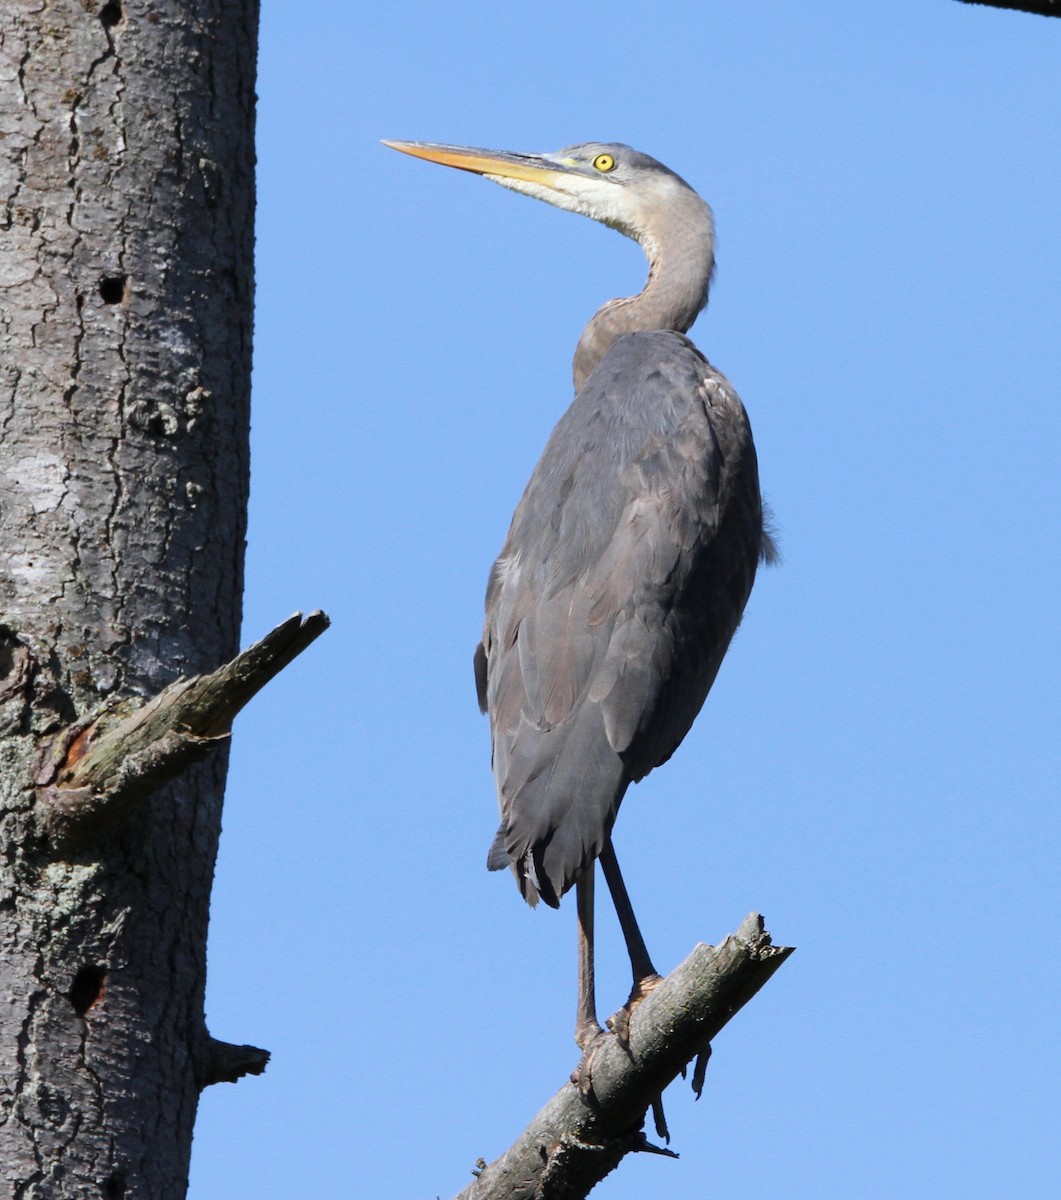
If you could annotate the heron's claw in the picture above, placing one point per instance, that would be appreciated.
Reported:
(619, 1022)
(700, 1069)
(591, 1040)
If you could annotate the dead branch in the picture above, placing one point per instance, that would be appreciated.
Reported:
(1043, 8)
(574, 1142)
(120, 755)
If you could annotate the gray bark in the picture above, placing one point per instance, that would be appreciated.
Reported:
(126, 235)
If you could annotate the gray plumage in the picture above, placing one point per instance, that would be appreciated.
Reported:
(622, 580)
(633, 550)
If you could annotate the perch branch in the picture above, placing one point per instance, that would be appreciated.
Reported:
(121, 755)
(573, 1143)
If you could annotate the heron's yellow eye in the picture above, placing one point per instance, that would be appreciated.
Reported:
(604, 162)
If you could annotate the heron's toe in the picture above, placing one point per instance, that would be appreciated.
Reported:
(590, 1041)
(619, 1022)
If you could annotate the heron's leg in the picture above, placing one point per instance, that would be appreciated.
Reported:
(645, 975)
(587, 1027)
(588, 1031)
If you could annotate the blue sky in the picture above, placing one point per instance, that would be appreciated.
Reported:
(877, 767)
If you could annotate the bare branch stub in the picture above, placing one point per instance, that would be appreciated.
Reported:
(117, 758)
(571, 1144)
(223, 1062)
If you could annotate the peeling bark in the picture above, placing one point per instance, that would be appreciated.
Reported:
(126, 222)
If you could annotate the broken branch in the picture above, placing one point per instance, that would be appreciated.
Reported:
(572, 1144)
(119, 757)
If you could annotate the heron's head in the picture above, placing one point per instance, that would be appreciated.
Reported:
(607, 181)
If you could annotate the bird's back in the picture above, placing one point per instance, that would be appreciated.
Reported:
(624, 575)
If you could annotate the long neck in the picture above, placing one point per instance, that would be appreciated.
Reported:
(681, 261)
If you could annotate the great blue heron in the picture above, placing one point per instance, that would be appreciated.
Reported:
(630, 556)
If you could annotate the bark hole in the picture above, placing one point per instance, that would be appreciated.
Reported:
(85, 991)
(110, 14)
(112, 288)
(114, 1187)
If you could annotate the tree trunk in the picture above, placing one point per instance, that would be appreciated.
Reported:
(126, 238)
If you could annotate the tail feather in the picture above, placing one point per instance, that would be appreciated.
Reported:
(497, 857)
(559, 800)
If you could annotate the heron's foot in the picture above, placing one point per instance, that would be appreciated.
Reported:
(700, 1069)
(590, 1037)
(619, 1022)
(659, 1119)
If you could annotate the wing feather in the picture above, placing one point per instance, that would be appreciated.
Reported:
(623, 577)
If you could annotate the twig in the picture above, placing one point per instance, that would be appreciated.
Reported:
(1044, 8)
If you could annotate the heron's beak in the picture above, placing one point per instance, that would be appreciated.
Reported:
(531, 168)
